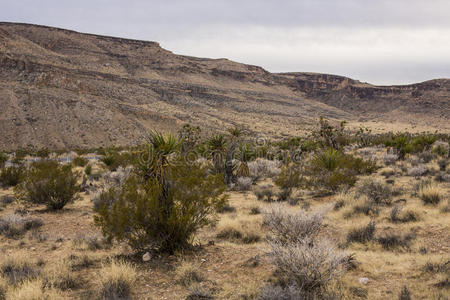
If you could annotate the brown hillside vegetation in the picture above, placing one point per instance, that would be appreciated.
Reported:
(61, 88)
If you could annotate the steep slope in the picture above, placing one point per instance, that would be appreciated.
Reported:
(61, 88)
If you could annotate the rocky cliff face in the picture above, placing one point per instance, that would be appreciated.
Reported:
(61, 88)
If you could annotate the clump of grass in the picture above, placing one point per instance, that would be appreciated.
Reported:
(437, 267)
(3, 288)
(17, 268)
(341, 200)
(15, 226)
(88, 242)
(117, 280)
(255, 210)
(363, 234)
(197, 292)
(227, 208)
(397, 216)
(59, 275)
(429, 193)
(188, 273)
(33, 290)
(264, 193)
(236, 231)
(390, 241)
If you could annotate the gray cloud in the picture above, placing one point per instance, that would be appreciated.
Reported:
(379, 41)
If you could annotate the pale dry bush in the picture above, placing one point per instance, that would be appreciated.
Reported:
(117, 177)
(417, 171)
(308, 265)
(117, 280)
(243, 183)
(286, 227)
(376, 191)
(15, 225)
(389, 158)
(33, 290)
(262, 167)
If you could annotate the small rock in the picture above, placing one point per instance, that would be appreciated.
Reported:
(203, 260)
(363, 280)
(146, 257)
(32, 248)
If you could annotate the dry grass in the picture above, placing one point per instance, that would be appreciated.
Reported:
(33, 290)
(188, 273)
(430, 193)
(18, 267)
(117, 280)
(59, 275)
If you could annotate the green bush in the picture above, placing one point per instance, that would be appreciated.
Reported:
(331, 169)
(10, 176)
(3, 159)
(88, 170)
(47, 182)
(80, 161)
(148, 215)
(162, 206)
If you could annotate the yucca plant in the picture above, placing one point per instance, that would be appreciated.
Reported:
(328, 159)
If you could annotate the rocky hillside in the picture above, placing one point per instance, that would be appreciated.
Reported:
(62, 88)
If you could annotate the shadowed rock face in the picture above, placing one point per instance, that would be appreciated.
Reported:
(61, 88)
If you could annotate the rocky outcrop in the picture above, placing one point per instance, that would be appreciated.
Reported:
(60, 88)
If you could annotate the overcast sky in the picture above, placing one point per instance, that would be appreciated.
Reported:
(378, 41)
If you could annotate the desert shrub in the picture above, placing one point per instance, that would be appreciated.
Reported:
(117, 177)
(418, 171)
(289, 178)
(227, 208)
(264, 193)
(3, 288)
(17, 268)
(390, 240)
(244, 183)
(187, 274)
(15, 226)
(405, 294)
(440, 148)
(80, 161)
(389, 158)
(307, 265)
(3, 159)
(117, 280)
(442, 163)
(365, 207)
(264, 168)
(197, 292)
(363, 234)
(162, 213)
(255, 210)
(426, 156)
(10, 176)
(48, 183)
(376, 191)
(90, 242)
(397, 216)
(329, 136)
(88, 170)
(286, 227)
(6, 199)
(332, 169)
(429, 192)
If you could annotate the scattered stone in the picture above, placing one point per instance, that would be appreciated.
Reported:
(363, 280)
(146, 257)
